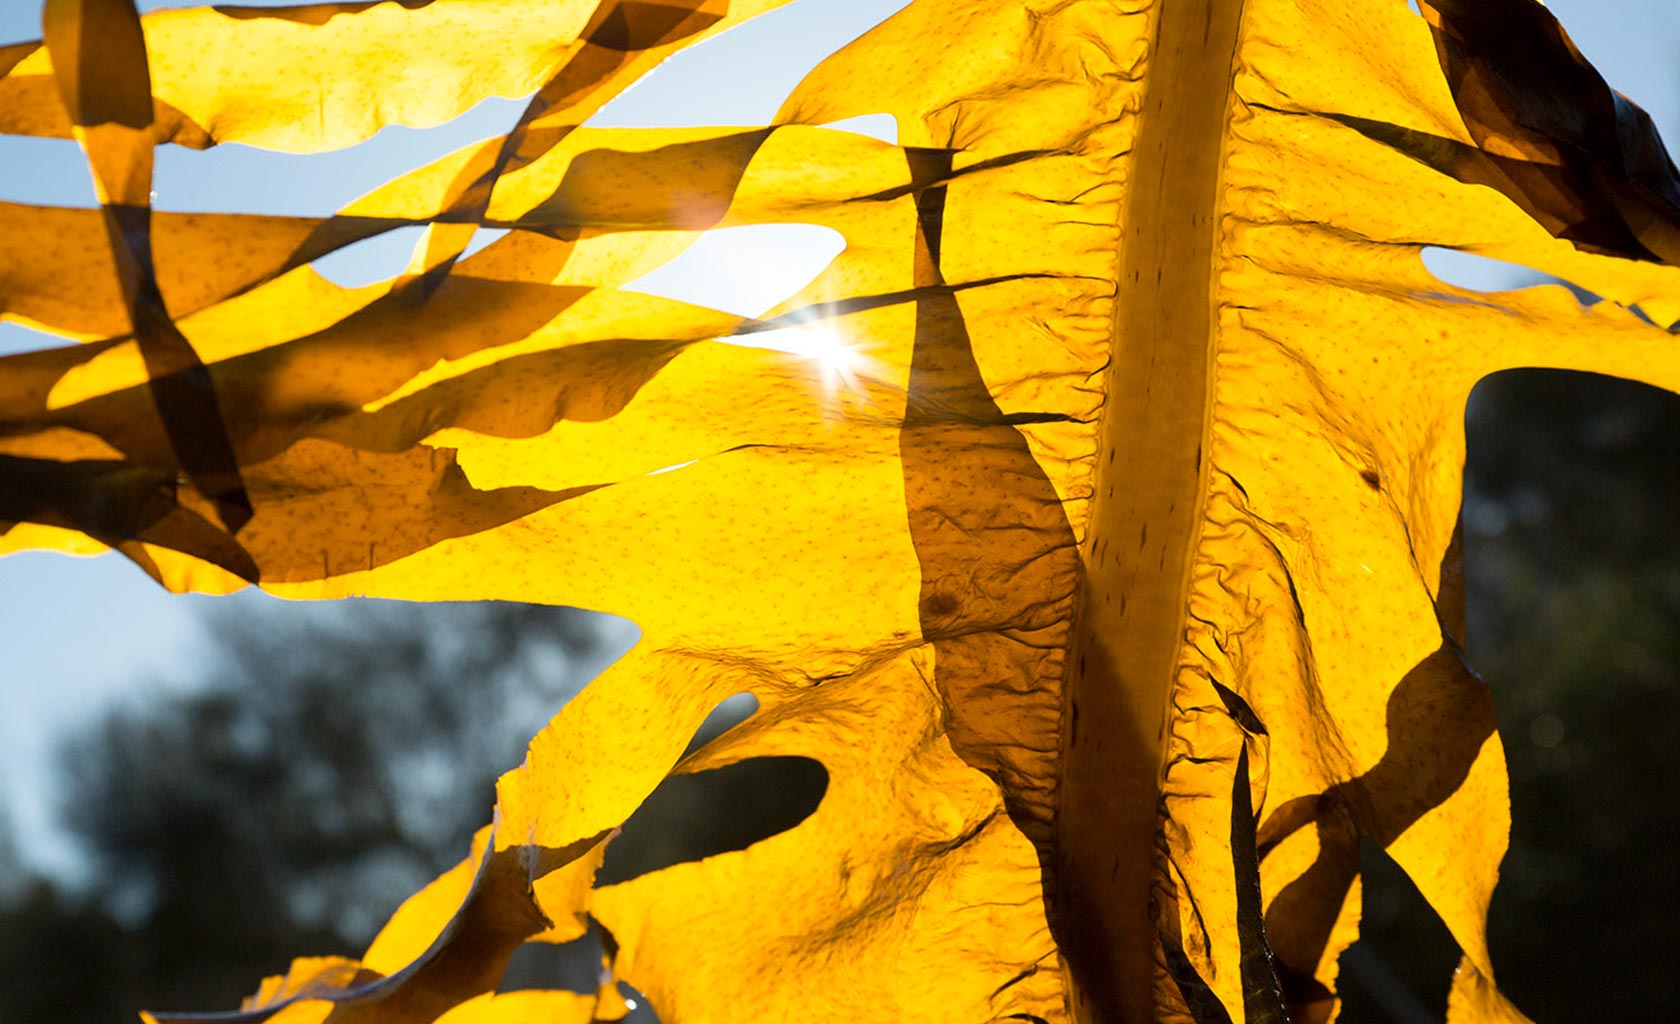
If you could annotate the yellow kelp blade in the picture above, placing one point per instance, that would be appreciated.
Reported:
(55, 273)
(52, 278)
(1091, 523)
(933, 910)
(99, 63)
(323, 76)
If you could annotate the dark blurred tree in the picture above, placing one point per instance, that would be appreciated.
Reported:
(59, 957)
(1579, 632)
(1572, 562)
(327, 762)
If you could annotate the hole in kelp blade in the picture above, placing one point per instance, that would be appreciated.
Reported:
(1571, 562)
(1477, 273)
(691, 817)
(729, 713)
(376, 258)
(876, 126)
(574, 966)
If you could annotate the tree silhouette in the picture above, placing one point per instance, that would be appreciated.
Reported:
(328, 762)
(1572, 566)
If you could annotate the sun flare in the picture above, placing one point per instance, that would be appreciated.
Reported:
(839, 359)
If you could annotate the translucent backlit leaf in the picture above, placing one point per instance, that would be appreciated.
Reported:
(1090, 521)
(322, 76)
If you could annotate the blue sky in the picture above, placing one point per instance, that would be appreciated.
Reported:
(77, 634)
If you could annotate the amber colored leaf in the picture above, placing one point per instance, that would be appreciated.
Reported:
(1090, 521)
(322, 76)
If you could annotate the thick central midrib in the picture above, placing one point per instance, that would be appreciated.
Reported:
(1145, 516)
